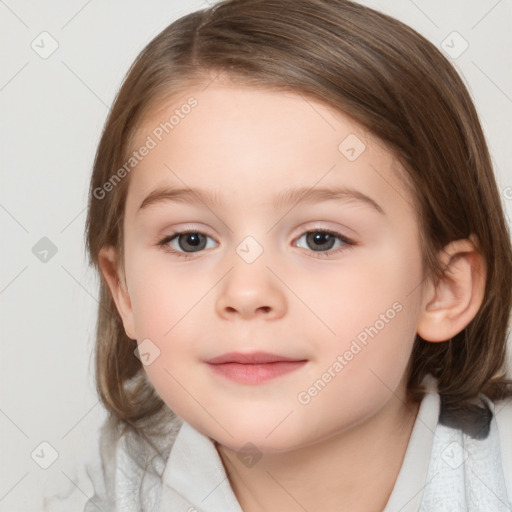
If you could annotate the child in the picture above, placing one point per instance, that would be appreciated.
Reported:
(307, 273)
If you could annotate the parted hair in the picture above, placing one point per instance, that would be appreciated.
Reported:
(394, 83)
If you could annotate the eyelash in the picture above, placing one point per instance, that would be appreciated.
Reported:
(163, 244)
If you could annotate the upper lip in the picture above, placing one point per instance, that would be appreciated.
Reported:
(250, 358)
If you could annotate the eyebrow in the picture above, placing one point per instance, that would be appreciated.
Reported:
(285, 198)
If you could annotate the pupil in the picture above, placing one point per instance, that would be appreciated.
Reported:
(191, 241)
(323, 241)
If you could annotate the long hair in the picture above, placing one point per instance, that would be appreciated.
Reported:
(387, 78)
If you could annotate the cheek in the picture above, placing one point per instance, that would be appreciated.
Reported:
(372, 311)
(162, 295)
(364, 290)
(167, 305)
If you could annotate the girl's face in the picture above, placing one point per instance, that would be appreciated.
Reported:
(331, 278)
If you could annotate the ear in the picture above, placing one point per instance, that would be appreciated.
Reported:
(455, 298)
(108, 262)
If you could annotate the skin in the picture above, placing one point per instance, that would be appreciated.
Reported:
(343, 449)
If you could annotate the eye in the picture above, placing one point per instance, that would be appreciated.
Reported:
(321, 241)
(185, 242)
(324, 242)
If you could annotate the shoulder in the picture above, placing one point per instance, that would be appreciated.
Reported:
(503, 412)
(119, 475)
(85, 482)
(503, 418)
(471, 472)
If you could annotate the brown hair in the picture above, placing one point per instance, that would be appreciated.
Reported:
(393, 82)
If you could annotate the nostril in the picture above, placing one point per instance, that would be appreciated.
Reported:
(248, 311)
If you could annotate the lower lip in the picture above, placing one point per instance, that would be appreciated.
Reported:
(255, 373)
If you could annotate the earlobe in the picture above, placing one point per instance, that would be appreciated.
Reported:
(116, 282)
(455, 298)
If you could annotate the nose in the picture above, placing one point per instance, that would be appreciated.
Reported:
(250, 291)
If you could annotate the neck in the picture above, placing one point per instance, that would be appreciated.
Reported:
(352, 470)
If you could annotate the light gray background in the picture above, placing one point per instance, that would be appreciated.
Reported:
(52, 113)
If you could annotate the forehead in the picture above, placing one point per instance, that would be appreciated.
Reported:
(232, 139)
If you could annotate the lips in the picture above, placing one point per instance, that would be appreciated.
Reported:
(251, 358)
(253, 368)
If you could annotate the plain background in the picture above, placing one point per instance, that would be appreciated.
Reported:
(52, 113)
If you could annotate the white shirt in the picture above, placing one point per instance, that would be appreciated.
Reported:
(444, 470)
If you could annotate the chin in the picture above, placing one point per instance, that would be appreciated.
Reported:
(262, 437)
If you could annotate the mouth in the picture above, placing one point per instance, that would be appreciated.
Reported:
(254, 367)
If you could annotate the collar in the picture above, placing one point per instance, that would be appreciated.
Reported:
(195, 476)
(407, 493)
